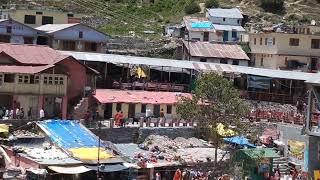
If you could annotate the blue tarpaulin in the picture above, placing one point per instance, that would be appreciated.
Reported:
(201, 25)
(69, 134)
(239, 140)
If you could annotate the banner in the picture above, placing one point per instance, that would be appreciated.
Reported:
(296, 151)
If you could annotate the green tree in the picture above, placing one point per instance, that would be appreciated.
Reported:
(214, 101)
(192, 8)
(212, 3)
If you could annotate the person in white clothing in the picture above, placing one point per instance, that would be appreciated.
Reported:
(41, 114)
(11, 114)
(17, 113)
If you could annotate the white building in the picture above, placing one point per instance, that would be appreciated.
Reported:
(199, 29)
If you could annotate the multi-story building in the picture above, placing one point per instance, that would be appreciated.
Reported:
(227, 23)
(74, 37)
(12, 31)
(35, 77)
(297, 49)
(199, 29)
(37, 17)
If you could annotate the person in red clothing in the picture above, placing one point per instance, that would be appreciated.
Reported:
(177, 175)
(117, 118)
(121, 118)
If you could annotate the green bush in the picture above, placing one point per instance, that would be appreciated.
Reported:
(272, 5)
(212, 3)
(192, 8)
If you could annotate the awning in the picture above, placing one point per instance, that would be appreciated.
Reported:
(69, 169)
(108, 167)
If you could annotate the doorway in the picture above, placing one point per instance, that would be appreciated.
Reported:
(108, 111)
(314, 62)
(206, 36)
(132, 110)
(156, 110)
(42, 40)
(225, 36)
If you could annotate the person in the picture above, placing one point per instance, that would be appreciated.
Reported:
(1, 113)
(117, 118)
(121, 117)
(17, 113)
(11, 114)
(7, 113)
(86, 118)
(158, 176)
(41, 114)
(162, 118)
(21, 115)
(29, 113)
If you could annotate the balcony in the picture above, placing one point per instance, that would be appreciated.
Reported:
(151, 86)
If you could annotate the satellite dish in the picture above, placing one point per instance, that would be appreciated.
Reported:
(313, 22)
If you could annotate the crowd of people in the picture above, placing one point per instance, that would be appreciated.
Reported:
(19, 113)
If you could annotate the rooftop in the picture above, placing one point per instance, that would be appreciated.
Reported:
(132, 96)
(198, 24)
(215, 50)
(225, 13)
(51, 28)
(24, 69)
(221, 27)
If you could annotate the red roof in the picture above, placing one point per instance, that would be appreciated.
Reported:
(131, 96)
(31, 54)
(215, 50)
(24, 69)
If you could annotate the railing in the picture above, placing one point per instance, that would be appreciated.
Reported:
(33, 88)
(273, 97)
(151, 86)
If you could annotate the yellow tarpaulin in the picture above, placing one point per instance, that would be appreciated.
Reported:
(224, 132)
(141, 73)
(90, 153)
(317, 174)
(4, 128)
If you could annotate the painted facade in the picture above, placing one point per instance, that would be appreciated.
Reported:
(280, 50)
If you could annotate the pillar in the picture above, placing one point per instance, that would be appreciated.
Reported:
(64, 107)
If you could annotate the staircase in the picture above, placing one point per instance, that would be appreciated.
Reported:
(283, 164)
(81, 108)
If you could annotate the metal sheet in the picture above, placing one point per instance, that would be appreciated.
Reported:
(69, 169)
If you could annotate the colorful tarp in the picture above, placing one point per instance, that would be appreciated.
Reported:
(242, 141)
(224, 132)
(75, 139)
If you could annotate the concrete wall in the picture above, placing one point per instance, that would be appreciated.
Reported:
(226, 21)
(199, 35)
(17, 29)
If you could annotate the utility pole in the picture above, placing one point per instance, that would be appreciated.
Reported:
(99, 144)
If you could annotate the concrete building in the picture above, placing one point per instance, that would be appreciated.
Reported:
(199, 29)
(37, 17)
(38, 77)
(74, 37)
(227, 23)
(134, 103)
(214, 53)
(12, 31)
(295, 50)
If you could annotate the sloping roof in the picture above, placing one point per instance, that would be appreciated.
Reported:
(260, 153)
(228, 27)
(190, 20)
(225, 13)
(31, 54)
(51, 28)
(24, 69)
(215, 50)
(130, 96)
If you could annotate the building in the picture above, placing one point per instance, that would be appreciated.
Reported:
(12, 31)
(214, 53)
(134, 103)
(35, 77)
(297, 49)
(74, 37)
(37, 17)
(199, 29)
(227, 23)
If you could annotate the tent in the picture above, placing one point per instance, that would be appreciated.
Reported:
(239, 140)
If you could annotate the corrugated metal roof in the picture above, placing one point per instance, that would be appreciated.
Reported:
(228, 27)
(225, 13)
(189, 20)
(131, 96)
(199, 66)
(51, 28)
(24, 69)
(215, 50)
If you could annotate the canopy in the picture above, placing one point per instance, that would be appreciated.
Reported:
(108, 168)
(239, 140)
(69, 170)
(257, 153)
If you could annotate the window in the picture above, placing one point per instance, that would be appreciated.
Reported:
(224, 61)
(238, 21)
(47, 20)
(143, 108)
(274, 41)
(26, 79)
(234, 34)
(261, 61)
(80, 34)
(70, 15)
(265, 41)
(50, 80)
(203, 60)
(260, 41)
(69, 45)
(93, 47)
(255, 41)
(118, 108)
(293, 42)
(235, 62)
(9, 78)
(169, 109)
(36, 79)
(30, 19)
(1, 78)
(61, 79)
(20, 79)
(308, 30)
(315, 43)
(9, 29)
(39, 12)
(45, 80)
(56, 80)
(224, 19)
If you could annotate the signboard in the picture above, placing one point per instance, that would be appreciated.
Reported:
(296, 151)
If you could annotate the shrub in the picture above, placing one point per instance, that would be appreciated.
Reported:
(192, 8)
(272, 5)
(212, 3)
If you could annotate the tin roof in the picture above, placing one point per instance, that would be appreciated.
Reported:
(221, 27)
(225, 13)
(144, 97)
(198, 24)
(215, 50)
(24, 69)
(51, 28)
